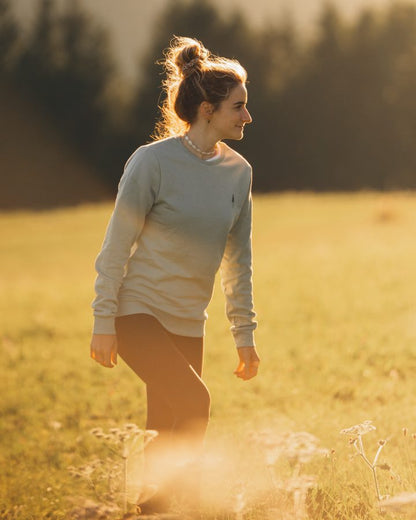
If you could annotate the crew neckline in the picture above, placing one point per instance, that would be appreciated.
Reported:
(211, 161)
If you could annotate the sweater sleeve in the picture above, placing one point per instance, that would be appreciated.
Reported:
(137, 192)
(236, 277)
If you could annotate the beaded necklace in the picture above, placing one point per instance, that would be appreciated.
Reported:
(196, 148)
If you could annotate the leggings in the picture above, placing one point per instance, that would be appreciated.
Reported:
(178, 402)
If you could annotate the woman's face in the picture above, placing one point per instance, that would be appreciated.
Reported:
(229, 119)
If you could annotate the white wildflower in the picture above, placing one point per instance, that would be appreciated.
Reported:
(302, 447)
(359, 429)
(299, 447)
(151, 433)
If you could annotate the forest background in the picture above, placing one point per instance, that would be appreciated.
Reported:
(333, 111)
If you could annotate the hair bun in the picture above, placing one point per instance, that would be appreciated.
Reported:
(190, 65)
(190, 56)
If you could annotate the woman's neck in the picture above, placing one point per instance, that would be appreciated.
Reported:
(200, 143)
(202, 139)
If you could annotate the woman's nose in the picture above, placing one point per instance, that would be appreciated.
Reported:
(247, 117)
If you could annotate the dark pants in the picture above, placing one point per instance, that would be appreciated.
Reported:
(178, 401)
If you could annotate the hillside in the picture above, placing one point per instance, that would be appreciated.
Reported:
(38, 169)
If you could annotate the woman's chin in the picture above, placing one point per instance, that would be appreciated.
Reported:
(237, 136)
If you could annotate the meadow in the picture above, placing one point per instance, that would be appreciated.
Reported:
(335, 280)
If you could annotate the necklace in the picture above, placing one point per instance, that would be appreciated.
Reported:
(196, 148)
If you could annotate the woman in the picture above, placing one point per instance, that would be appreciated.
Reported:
(183, 210)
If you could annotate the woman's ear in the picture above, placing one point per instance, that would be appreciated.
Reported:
(206, 110)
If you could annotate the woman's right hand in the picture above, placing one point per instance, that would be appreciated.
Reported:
(104, 349)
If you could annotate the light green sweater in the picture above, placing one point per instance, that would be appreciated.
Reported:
(177, 220)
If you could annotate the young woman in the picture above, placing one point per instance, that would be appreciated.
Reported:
(183, 211)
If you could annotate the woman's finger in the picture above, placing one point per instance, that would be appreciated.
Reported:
(114, 353)
(106, 358)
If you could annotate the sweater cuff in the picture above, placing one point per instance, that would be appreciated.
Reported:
(244, 338)
(104, 325)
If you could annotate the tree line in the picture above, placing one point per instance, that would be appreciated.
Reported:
(336, 111)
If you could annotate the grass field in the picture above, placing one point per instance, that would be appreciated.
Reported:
(335, 280)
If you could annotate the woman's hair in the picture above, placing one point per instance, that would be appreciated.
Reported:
(193, 75)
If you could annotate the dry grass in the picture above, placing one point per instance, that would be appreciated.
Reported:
(335, 282)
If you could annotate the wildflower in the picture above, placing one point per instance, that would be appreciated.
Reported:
(149, 435)
(359, 429)
(299, 447)
(111, 473)
(123, 436)
(356, 441)
(86, 470)
(273, 445)
(132, 427)
(97, 432)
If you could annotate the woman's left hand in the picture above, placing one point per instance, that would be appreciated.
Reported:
(248, 364)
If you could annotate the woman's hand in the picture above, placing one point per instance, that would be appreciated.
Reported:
(104, 349)
(248, 364)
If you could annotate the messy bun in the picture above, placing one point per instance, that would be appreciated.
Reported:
(191, 57)
(193, 75)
